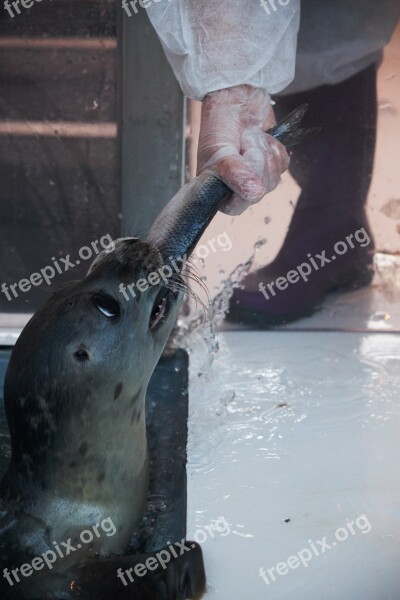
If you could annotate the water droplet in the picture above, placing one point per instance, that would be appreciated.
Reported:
(259, 244)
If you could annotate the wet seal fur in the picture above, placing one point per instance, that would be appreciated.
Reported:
(74, 396)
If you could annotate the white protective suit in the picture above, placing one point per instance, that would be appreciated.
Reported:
(216, 44)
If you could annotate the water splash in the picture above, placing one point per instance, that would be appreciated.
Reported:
(196, 321)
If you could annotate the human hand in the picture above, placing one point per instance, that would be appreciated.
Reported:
(234, 145)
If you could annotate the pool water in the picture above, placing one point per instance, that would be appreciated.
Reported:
(293, 439)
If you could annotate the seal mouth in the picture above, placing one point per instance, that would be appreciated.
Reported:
(163, 303)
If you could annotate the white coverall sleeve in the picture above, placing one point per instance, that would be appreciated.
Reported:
(216, 44)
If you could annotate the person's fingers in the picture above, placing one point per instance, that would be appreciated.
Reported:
(226, 114)
(235, 206)
(234, 146)
(276, 162)
(268, 168)
(240, 177)
(251, 175)
(269, 120)
(210, 158)
(281, 150)
(266, 156)
(254, 137)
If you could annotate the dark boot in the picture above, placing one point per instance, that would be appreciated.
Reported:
(334, 171)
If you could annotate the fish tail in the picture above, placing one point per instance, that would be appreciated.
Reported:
(289, 131)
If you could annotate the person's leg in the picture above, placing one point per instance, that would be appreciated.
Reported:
(334, 171)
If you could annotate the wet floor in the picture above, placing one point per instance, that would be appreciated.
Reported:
(293, 440)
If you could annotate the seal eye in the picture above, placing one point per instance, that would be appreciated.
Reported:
(106, 305)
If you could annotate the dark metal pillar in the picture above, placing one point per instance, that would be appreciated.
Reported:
(151, 125)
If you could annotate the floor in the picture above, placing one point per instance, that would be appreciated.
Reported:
(375, 308)
(293, 452)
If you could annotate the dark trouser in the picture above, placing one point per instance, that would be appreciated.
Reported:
(334, 168)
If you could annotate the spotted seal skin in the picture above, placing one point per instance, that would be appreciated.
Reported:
(74, 396)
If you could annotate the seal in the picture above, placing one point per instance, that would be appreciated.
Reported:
(74, 394)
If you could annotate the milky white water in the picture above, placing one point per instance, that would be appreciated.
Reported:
(301, 426)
